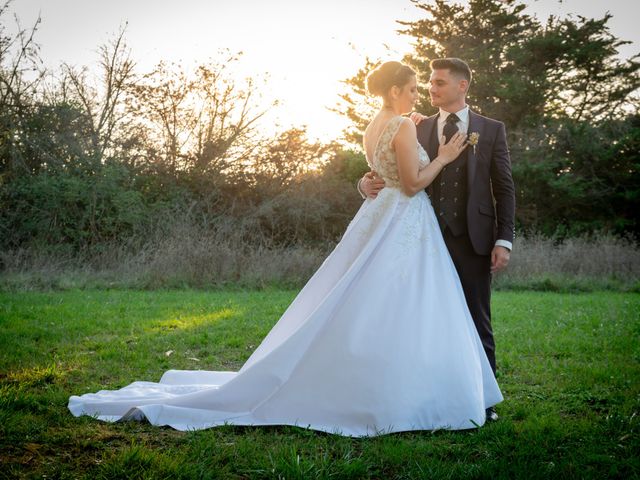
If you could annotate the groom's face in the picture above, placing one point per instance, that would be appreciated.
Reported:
(445, 88)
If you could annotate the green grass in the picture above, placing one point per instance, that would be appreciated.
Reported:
(569, 371)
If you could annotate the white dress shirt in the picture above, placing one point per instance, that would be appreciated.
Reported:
(462, 124)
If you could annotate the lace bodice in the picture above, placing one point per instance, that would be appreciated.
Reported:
(384, 157)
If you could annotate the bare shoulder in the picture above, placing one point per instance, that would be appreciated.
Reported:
(367, 131)
(406, 131)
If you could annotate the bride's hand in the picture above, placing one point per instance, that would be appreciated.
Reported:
(448, 152)
(417, 117)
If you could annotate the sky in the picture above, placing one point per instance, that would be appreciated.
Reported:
(306, 47)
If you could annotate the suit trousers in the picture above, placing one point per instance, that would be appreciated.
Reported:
(475, 275)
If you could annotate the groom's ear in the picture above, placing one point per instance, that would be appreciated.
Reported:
(464, 85)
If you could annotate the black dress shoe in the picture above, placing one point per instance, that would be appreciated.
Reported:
(491, 415)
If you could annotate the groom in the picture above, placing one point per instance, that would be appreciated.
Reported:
(473, 197)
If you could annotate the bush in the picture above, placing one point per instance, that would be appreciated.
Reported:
(587, 262)
(183, 253)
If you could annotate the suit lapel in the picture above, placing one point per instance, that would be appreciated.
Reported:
(427, 136)
(427, 133)
(475, 125)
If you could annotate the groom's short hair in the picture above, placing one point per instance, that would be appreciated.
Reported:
(455, 65)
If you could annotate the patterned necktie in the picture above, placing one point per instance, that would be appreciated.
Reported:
(450, 127)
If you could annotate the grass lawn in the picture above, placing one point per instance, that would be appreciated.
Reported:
(569, 370)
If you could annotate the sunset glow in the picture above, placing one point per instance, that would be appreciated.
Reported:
(305, 47)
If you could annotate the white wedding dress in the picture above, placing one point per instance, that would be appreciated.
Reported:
(379, 340)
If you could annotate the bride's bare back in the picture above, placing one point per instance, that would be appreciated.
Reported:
(373, 132)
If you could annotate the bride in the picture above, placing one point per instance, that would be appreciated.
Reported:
(379, 340)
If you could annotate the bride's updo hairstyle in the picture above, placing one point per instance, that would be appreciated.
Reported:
(387, 75)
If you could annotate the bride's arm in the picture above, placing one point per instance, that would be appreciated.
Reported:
(412, 179)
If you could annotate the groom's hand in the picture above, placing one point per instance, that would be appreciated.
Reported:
(371, 184)
(499, 258)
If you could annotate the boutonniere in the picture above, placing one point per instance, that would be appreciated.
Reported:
(473, 140)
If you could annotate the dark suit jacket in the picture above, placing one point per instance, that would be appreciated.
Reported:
(490, 190)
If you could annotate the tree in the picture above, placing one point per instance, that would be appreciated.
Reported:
(103, 105)
(523, 71)
(574, 177)
(18, 55)
(356, 104)
(557, 86)
(205, 122)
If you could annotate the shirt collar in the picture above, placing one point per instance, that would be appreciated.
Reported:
(463, 115)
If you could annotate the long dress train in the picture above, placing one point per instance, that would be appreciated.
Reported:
(379, 340)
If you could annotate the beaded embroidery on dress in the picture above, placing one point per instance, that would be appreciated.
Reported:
(384, 158)
(379, 340)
